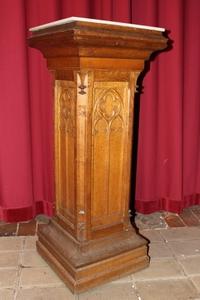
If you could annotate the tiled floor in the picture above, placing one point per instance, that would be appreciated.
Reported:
(174, 272)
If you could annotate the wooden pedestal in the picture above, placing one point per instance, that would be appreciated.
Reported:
(95, 66)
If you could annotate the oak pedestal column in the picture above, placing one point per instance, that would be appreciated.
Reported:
(95, 65)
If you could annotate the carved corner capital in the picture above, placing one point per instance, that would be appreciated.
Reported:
(81, 82)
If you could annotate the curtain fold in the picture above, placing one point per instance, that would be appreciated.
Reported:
(168, 164)
(16, 186)
(160, 184)
(168, 169)
(191, 102)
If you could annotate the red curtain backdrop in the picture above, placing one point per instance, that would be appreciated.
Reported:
(168, 169)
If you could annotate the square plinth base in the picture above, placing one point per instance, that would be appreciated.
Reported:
(82, 266)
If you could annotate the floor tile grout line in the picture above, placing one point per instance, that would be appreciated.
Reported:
(13, 268)
(188, 256)
(183, 269)
(192, 283)
(183, 277)
(195, 216)
(173, 251)
(13, 251)
(179, 238)
(134, 286)
(179, 216)
(19, 269)
(168, 279)
(24, 267)
(10, 251)
(17, 229)
(18, 273)
(42, 285)
(198, 217)
(36, 227)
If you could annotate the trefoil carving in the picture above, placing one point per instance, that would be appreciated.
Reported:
(109, 108)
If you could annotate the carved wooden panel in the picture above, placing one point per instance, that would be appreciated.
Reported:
(65, 116)
(109, 141)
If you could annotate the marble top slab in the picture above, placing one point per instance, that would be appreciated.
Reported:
(74, 19)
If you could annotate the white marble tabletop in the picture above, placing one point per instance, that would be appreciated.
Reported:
(73, 19)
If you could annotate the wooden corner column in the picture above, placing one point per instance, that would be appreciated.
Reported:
(95, 65)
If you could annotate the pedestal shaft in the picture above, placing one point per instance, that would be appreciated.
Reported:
(93, 130)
